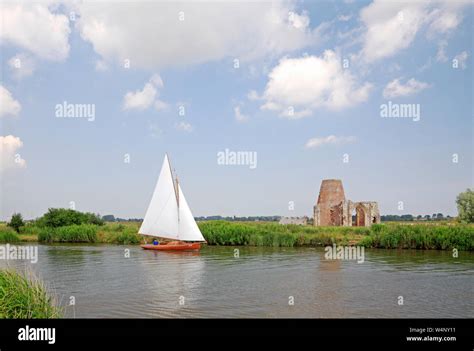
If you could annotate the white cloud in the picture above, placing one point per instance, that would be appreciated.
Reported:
(461, 59)
(8, 105)
(391, 26)
(9, 157)
(395, 88)
(22, 65)
(35, 28)
(331, 139)
(239, 116)
(184, 126)
(142, 99)
(207, 31)
(445, 17)
(297, 86)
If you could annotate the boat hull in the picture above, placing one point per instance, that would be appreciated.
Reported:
(173, 247)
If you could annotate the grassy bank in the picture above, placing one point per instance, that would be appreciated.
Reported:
(76, 233)
(8, 235)
(439, 237)
(110, 233)
(120, 233)
(274, 234)
(23, 297)
(389, 236)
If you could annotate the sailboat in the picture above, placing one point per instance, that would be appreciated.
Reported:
(169, 216)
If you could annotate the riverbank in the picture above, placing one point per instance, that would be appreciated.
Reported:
(437, 236)
(25, 297)
(387, 236)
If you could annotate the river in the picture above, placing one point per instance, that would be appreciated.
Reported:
(126, 281)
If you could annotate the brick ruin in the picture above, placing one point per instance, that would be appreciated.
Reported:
(332, 208)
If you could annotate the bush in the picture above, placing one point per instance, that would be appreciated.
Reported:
(60, 217)
(84, 233)
(16, 222)
(21, 297)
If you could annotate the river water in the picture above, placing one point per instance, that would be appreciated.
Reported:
(126, 281)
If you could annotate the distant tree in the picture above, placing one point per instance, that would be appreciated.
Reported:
(58, 217)
(439, 216)
(465, 202)
(108, 218)
(427, 217)
(419, 217)
(16, 222)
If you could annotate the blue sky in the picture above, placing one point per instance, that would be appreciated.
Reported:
(291, 56)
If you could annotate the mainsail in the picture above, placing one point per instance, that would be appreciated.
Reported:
(168, 215)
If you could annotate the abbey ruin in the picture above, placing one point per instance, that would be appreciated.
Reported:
(332, 208)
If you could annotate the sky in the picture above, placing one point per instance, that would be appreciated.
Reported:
(93, 94)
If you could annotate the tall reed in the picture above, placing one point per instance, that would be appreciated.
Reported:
(25, 297)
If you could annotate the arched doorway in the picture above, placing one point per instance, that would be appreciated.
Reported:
(360, 216)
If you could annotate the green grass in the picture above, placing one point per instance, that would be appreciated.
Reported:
(118, 233)
(389, 236)
(8, 235)
(82, 233)
(23, 297)
(424, 237)
(274, 234)
(396, 235)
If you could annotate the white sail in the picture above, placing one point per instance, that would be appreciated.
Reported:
(188, 228)
(161, 218)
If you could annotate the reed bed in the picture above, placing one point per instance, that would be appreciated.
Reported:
(25, 297)
(118, 233)
(8, 235)
(391, 236)
(274, 234)
(424, 237)
(82, 233)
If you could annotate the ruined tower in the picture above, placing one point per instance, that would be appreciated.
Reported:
(328, 208)
(332, 208)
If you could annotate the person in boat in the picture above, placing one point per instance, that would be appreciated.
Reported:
(156, 242)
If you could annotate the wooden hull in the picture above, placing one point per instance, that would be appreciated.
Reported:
(173, 247)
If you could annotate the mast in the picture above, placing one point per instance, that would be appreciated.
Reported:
(177, 199)
(175, 188)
